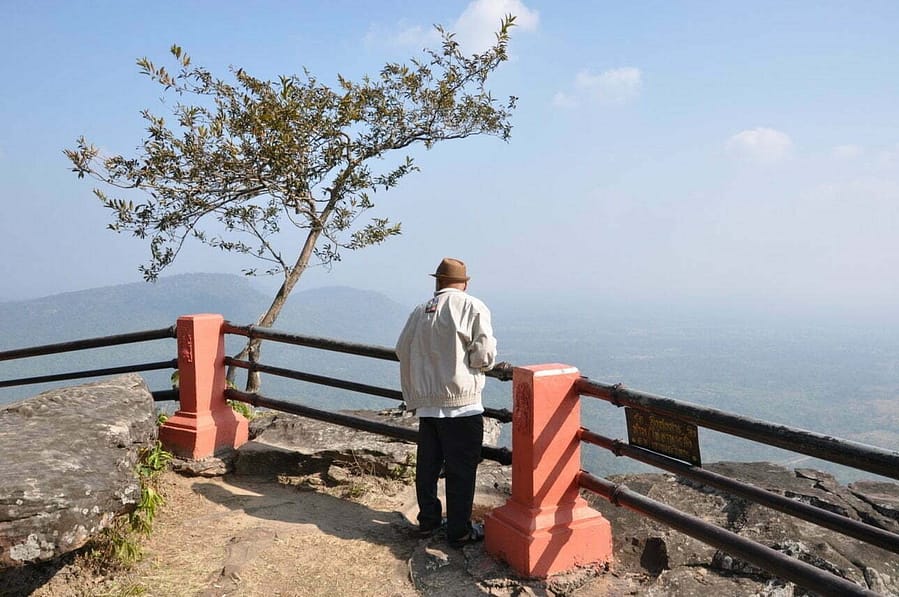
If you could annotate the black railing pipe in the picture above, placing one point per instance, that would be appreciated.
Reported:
(363, 350)
(501, 455)
(766, 558)
(501, 414)
(502, 372)
(165, 396)
(819, 516)
(316, 379)
(172, 364)
(131, 338)
(856, 455)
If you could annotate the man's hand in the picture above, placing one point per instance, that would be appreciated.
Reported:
(501, 371)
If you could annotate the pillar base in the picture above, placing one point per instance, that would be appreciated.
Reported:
(189, 435)
(544, 541)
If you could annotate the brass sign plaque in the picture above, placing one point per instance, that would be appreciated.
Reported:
(663, 435)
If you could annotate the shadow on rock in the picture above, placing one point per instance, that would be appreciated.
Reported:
(434, 567)
(25, 580)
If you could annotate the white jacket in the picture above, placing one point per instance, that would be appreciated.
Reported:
(444, 349)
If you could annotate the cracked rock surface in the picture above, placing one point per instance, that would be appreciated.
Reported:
(667, 562)
(310, 509)
(67, 465)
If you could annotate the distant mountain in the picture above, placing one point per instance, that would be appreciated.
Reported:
(841, 381)
(336, 312)
(344, 313)
(341, 312)
(119, 309)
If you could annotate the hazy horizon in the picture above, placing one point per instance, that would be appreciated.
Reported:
(829, 376)
(690, 155)
(539, 302)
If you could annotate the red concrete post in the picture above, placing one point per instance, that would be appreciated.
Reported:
(546, 527)
(204, 422)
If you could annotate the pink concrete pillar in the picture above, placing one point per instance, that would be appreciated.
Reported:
(204, 423)
(546, 527)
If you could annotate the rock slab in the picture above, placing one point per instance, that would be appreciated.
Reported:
(67, 465)
(652, 559)
(282, 442)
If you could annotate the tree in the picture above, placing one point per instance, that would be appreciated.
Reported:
(250, 157)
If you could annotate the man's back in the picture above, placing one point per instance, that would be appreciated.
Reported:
(444, 349)
(446, 344)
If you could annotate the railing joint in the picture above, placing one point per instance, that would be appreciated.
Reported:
(615, 393)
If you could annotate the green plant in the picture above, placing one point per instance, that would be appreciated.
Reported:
(161, 418)
(151, 462)
(405, 471)
(141, 520)
(245, 164)
(119, 544)
(243, 408)
(116, 547)
(355, 490)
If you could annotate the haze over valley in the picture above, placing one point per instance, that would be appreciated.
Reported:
(828, 376)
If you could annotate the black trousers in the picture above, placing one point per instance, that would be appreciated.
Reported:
(453, 444)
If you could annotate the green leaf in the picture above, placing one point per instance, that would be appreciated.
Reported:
(247, 165)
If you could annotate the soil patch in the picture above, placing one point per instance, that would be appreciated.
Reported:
(239, 536)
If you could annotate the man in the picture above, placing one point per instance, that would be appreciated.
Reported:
(444, 350)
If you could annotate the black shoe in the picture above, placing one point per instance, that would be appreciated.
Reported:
(424, 532)
(475, 535)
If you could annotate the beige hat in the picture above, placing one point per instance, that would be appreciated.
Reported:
(451, 270)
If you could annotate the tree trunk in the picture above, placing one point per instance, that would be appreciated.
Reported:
(253, 348)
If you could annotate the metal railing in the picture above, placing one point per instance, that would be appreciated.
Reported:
(89, 343)
(820, 516)
(859, 456)
(764, 557)
(840, 451)
(503, 373)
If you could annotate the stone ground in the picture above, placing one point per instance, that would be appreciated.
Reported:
(311, 509)
(342, 533)
(338, 529)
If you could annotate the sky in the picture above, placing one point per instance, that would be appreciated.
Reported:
(706, 153)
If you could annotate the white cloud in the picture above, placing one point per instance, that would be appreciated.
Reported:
(563, 100)
(402, 35)
(614, 86)
(847, 152)
(760, 145)
(476, 27)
